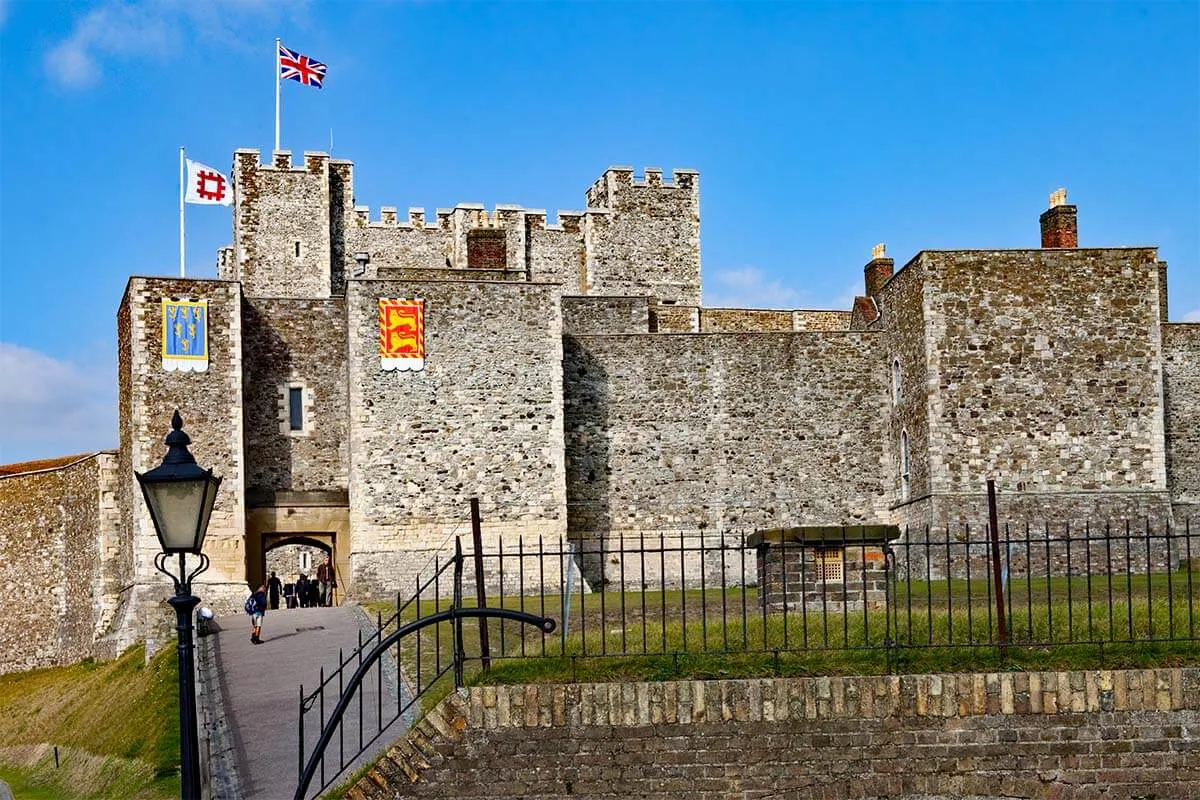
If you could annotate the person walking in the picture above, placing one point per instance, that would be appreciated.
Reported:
(256, 607)
(273, 587)
(302, 590)
(326, 581)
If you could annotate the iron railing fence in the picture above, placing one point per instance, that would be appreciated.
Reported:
(687, 594)
(678, 595)
(385, 699)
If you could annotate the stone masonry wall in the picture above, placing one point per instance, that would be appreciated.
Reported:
(50, 537)
(210, 403)
(809, 320)
(734, 320)
(295, 343)
(605, 315)
(1181, 385)
(483, 418)
(1046, 735)
(281, 225)
(650, 244)
(556, 252)
(1047, 365)
(722, 433)
(904, 360)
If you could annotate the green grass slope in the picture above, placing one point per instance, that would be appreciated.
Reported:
(116, 726)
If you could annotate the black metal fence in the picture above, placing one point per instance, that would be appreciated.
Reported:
(683, 596)
(381, 693)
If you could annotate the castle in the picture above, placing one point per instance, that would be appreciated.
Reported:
(356, 377)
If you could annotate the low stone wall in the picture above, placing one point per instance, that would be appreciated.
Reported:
(1086, 734)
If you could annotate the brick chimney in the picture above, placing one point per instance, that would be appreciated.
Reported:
(878, 269)
(1059, 225)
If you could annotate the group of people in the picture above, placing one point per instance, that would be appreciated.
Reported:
(304, 593)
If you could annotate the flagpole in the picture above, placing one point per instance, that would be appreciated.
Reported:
(277, 94)
(182, 180)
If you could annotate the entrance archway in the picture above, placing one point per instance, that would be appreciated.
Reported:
(289, 555)
(324, 528)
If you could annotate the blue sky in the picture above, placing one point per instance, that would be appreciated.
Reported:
(818, 130)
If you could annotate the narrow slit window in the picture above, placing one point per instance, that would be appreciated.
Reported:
(904, 465)
(897, 392)
(296, 408)
(297, 246)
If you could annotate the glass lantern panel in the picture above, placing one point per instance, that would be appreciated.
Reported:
(177, 506)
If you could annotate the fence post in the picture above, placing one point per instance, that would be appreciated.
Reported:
(889, 599)
(459, 652)
(993, 525)
(485, 648)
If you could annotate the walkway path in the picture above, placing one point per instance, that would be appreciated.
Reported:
(260, 685)
(5, 792)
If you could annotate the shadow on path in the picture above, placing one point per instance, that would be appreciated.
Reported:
(261, 689)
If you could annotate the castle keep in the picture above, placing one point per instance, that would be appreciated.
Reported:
(366, 372)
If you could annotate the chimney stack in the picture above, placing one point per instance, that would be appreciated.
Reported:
(878, 270)
(1060, 228)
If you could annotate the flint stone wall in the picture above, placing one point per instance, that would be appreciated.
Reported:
(277, 207)
(210, 403)
(1031, 385)
(295, 343)
(56, 534)
(1064, 735)
(724, 434)
(483, 418)
(1181, 385)
(605, 315)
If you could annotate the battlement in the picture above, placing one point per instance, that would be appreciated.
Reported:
(474, 216)
(281, 160)
(608, 189)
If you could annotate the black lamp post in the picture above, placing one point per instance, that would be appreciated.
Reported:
(180, 495)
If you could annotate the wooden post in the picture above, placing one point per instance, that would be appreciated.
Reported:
(993, 525)
(485, 649)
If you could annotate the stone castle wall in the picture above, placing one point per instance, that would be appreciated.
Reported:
(483, 418)
(1031, 385)
(1044, 735)
(650, 244)
(56, 534)
(210, 403)
(293, 343)
(721, 434)
(281, 225)
(1181, 385)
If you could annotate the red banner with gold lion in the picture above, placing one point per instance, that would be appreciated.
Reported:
(401, 334)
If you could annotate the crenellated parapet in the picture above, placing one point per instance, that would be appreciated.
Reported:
(298, 230)
(619, 186)
(281, 224)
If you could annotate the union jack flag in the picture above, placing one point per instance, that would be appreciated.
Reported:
(296, 67)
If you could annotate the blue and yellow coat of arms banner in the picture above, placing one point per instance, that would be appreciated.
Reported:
(185, 335)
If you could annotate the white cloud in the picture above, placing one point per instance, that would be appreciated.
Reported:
(1192, 316)
(136, 29)
(51, 408)
(748, 287)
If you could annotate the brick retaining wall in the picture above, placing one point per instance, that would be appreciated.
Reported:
(1093, 734)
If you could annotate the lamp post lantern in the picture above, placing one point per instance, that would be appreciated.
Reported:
(180, 496)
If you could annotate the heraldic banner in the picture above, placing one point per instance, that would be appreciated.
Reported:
(401, 335)
(185, 335)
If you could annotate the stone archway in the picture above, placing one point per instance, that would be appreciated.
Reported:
(324, 527)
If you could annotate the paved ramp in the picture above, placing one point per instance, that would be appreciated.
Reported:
(260, 687)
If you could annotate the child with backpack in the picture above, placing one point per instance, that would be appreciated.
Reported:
(256, 607)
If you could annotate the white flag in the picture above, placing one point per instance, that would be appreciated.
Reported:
(207, 186)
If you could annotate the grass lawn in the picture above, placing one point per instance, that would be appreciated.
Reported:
(938, 626)
(116, 725)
